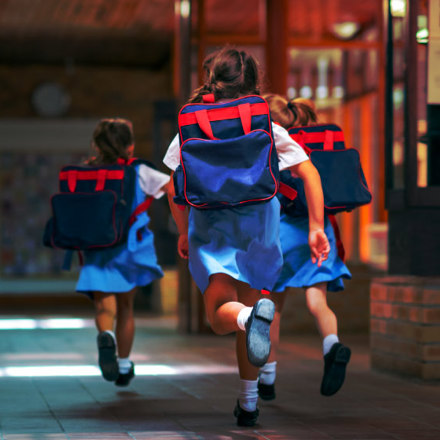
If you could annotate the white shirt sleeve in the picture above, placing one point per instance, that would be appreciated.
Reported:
(152, 181)
(172, 156)
(289, 152)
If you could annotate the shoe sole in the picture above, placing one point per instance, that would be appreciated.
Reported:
(337, 372)
(258, 336)
(107, 357)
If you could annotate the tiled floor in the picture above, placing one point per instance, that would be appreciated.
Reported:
(186, 389)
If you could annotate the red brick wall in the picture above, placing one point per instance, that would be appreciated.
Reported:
(405, 326)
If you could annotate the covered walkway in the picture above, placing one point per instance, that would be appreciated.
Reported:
(50, 388)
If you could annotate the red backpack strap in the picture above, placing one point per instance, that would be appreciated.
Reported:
(287, 191)
(208, 98)
(139, 210)
(244, 111)
(142, 207)
(122, 161)
(328, 140)
(339, 244)
(204, 124)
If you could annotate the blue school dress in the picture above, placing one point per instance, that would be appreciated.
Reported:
(241, 242)
(298, 269)
(121, 268)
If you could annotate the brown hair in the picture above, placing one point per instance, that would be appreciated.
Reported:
(229, 73)
(294, 113)
(111, 139)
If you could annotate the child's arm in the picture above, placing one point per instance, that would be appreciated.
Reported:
(181, 218)
(318, 241)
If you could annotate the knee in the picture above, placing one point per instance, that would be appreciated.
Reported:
(124, 306)
(215, 327)
(316, 306)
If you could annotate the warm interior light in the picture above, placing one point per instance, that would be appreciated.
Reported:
(345, 30)
(398, 8)
(422, 32)
(306, 92)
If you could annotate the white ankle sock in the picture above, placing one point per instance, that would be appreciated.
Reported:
(268, 373)
(328, 342)
(111, 334)
(243, 316)
(124, 365)
(248, 394)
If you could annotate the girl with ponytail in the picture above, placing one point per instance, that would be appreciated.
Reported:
(299, 271)
(235, 252)
(111, 276)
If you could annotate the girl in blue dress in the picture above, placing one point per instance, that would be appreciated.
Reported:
(110, 277)
(235, 252)
(299, 271)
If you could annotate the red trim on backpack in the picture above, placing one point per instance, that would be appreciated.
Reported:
(219, 114)
(339, 244)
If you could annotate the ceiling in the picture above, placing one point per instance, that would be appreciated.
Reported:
(140, 32)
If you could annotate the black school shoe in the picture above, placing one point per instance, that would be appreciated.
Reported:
(107, 356)
(335, 363)
(245, 418)
(257, 332)
(266, 392)
(124, 378)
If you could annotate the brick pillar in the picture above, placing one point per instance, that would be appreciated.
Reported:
(405, 326)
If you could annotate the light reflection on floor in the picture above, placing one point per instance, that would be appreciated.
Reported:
(45, 323)
(93, 370)
(83, 368)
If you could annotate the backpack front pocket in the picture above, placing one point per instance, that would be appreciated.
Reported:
(229, 172)
(84, 220)
(343, 180)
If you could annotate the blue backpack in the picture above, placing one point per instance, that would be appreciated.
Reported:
(94, 206)
(342, 177)
(227, 154)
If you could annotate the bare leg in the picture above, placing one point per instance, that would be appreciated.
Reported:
(247, 371)
(221, 304)
(125, 322)
(336, 355)
(105, 310)
(316, 297)
(279, 299)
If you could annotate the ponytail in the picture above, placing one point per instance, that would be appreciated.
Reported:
(228, 73)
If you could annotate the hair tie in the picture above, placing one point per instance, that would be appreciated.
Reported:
(290, 106)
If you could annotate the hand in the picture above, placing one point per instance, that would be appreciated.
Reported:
(182, 246)
(319, 246)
